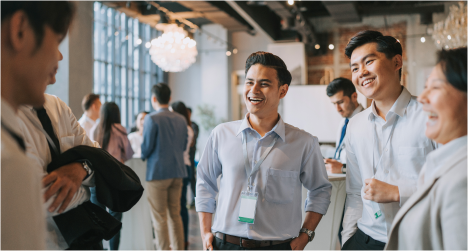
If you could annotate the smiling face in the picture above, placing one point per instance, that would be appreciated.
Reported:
(446, 108)
(344, 105)
(262, 92)
(373, 74)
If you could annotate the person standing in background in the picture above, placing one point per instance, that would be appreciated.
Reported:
(343, 96)
(164, 143)
(91, 107)
(112, 137)
(181, 109)
(193, 150)
(136, 137)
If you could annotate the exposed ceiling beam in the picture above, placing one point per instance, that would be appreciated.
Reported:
(400, 8)
(342, 12)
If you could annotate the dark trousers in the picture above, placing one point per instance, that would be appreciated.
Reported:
(193, 179)
(183, 203)
(115, 241)
(362, 241)
(220, 244)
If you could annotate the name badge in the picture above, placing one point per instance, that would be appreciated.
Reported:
(376, 209)
(248, 206)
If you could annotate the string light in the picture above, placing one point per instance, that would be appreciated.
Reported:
(331, 47)
(449, 37)
(290, 2)
(228, 53)
(148, 44)
(317, 46)
(138, 42)
(234, 51)
(423, 39)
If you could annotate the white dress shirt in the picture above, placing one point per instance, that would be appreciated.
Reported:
(23, 214)
(342, 148)
(402, 160)
(136, 140)
(294, 161)
(69, 134)
(86, 123)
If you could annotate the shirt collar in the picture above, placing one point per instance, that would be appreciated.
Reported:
(279, 128)
(398, 108)
(436, 159)
(88, 119)
(356, 111)
(10, 117)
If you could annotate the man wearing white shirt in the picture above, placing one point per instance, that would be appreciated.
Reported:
(91, 107)
(343, 96)
(385, 144)
(31, 34)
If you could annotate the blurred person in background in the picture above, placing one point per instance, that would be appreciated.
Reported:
(180, 108)
(434, 218)
(91, 107)
(136, 136)
(193, 150)
(112, 137)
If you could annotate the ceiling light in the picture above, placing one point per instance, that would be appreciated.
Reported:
(331, 47)
(290, 2)
(317, 46)
(449, 37)
(423, 39)
(228, 53)
(234, 51)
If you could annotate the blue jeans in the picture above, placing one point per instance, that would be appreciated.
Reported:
(115, 241)
(183, 203)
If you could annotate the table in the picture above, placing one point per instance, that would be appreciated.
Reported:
(326, 234)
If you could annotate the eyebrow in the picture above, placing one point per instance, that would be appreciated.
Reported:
(364, 58)
(260, 80)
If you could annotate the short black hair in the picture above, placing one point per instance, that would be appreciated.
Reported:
(88, 101)
(58, 15)
(341, 84)
(162, 92)
(269, 60)
(453, 63)
(388, 45)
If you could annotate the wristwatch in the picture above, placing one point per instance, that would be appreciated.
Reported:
(86, 166)
(310, 233)
(343, 168)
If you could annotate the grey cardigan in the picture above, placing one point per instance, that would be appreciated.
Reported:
(435, 217)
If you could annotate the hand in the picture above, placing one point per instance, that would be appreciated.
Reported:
(64, 182)
(300, 242)
(333, 166)
(207, 239)
(380, 191)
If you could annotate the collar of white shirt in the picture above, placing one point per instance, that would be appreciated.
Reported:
(10, 118)
(436, 159)
(279, 128)
(398, 108)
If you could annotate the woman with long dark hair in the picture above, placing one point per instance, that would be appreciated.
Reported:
(112, 137)
(179, 107)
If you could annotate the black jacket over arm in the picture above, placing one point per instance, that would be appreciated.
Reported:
(117, 187)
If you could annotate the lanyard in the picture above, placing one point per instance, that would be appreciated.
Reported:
(385, 146)
(40, 128)
(259, 162)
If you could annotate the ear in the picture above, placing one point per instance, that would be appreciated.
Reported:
(354, 97)
(283, 90)
(20, 31)
(398, 62)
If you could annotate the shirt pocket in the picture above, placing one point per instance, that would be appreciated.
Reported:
(410, 160)
(66, 143)
(280, 186)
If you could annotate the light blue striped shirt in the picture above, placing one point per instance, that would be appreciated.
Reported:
(295, 160)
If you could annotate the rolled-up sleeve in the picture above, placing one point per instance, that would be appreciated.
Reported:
(315, 179)
(208, 170)
(353, 207)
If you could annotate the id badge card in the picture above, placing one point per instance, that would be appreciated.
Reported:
(248, 207)
(376, 210)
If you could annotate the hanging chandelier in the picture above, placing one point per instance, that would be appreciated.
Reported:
(173, 51)
(451, 33)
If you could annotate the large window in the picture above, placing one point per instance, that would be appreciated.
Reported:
(123, 70)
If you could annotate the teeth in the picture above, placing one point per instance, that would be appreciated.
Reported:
(367, 81)
(432, 115)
